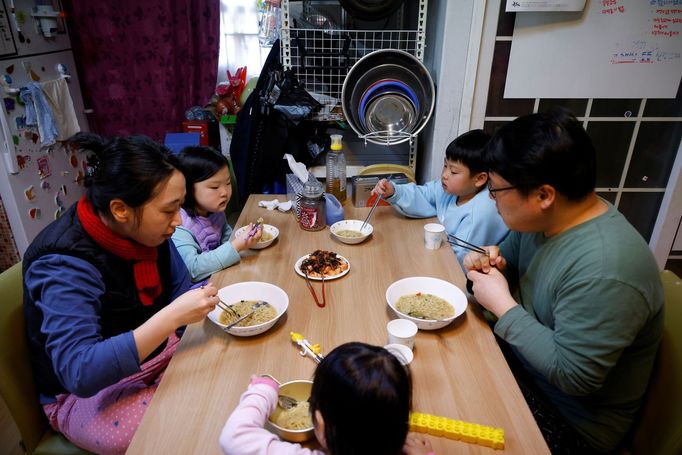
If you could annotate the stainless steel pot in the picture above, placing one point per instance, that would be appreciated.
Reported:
(387, 64)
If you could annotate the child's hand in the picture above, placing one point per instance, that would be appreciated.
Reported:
(384, 188)
(417, 445)
(247, 241)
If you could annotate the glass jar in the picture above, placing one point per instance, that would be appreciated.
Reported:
(312, 213)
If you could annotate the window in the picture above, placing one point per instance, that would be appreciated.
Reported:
(239, 39)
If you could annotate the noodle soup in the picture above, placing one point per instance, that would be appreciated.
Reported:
(296, 418)
(266, 237)
(425, 306)
(350, 234)
(263, 314)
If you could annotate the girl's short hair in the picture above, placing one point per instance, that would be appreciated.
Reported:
(469, 149)
(128, 168)
(545, 148)
(364, 396)
(198, 164)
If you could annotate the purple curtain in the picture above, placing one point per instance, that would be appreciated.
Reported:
(142, 63)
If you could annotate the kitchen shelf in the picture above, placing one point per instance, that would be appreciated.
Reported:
(321, 58)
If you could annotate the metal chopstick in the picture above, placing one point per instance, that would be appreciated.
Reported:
(456, 241)
(369, 215)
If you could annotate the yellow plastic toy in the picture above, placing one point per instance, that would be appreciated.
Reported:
(457, 430)
(313, 350)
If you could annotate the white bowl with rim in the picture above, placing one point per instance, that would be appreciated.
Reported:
(251, 290)
(351, 225)
(267, 228)
(427, 285)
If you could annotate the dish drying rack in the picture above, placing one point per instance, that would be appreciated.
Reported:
(320, 58)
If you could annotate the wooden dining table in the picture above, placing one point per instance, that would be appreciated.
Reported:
(458, 371)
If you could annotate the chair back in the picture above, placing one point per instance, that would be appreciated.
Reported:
(659, 430)
(16, 378)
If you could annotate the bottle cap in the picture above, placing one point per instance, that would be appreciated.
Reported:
(336, 142)
(313, 188)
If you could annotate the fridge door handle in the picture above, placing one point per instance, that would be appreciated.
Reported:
(8, 150)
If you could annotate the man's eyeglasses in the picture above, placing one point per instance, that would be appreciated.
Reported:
(493, 191)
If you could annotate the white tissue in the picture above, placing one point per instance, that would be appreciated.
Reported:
(284, 206)
(297, 168)
(270, 205)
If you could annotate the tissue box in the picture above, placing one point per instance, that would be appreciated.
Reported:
(294, 192)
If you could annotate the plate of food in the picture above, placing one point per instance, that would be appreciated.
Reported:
(320, 263)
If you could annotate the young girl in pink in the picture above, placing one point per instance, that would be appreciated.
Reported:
(359, 403)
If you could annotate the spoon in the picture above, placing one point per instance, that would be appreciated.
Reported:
(286, 402)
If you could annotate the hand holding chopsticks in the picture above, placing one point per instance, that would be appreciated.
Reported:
(456, 241)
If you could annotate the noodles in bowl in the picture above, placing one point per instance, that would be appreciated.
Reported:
(243, 307)
(295, 424)
(246, 294)
(429, 302)
(296, 418)
(425, 306)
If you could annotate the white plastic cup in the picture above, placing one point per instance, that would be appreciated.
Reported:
(433, 235)
(401, 331)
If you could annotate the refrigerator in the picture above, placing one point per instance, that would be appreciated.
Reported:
(38, 180)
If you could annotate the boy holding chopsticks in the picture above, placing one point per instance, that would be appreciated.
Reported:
(459, 199)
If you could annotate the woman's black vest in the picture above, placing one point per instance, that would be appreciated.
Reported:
(121, 308)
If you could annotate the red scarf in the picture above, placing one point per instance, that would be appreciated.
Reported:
(147, 276)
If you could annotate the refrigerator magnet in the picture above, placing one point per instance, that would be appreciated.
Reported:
(29, 194)
(58, 212)
(34, 213)
(58, 201)
(9, 104)
(45, 185)
(23, 160)
(43, 167)
(79, 178)
(73, 160)
(62, 189)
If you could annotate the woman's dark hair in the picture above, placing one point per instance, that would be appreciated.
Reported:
(469, 149)
(127, 168)
(198, 164)
(546, 148)
(364, 396)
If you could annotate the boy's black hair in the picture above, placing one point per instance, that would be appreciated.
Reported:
(127, 168)
(198, 164)
(468, 149)
(546, 148)
(364, 396)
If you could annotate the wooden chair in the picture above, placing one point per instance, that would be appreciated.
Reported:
(16, 378)
(659, 429)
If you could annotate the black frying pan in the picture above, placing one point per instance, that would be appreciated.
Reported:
(370, 10)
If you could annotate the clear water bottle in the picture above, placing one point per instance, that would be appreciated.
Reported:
(336, 169)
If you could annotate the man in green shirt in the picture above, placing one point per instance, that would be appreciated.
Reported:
(575, 288)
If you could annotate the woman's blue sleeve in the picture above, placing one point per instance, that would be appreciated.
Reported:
(67, 291)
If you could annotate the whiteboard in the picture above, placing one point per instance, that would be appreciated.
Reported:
(613, 49)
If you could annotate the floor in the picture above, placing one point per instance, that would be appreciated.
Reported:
(9, 435)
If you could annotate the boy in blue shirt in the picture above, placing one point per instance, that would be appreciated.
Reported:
(459, 199)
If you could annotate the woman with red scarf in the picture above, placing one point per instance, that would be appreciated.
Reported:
(105, 291)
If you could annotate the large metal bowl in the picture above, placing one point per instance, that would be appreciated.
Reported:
(387, 64)
(300, 390)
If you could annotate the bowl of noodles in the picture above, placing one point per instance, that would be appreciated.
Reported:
(429, 302)
(270, 233)
(348, 231)
(241, 297)
(295, 424)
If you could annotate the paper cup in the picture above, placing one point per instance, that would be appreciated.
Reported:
(433, 235)
(401, 331)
